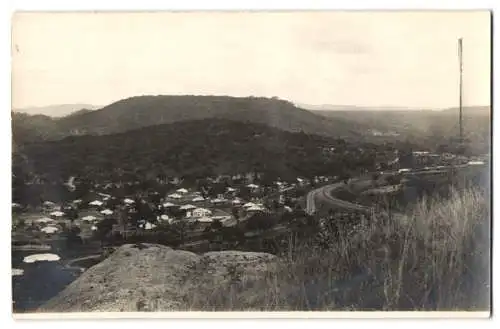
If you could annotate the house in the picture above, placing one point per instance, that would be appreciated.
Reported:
(218, 201)
(44, 220)
(201, 212)
(198, 199)
(57, 214)
(49, 230)
(168, 205)
(96, 203)
(49, 205)
(255, 208)
(253, 186)
(128, 201)
(248, 205)
(236, 202)
(89, 218)
(182, 190)
(204, 220)
(187, 207)
(107, 212)
(174, 196)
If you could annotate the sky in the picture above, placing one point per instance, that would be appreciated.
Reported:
(402, 59)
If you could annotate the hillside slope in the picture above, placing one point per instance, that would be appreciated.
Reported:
(143, 111)
(196, 148)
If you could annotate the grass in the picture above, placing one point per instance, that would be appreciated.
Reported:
(437, 258)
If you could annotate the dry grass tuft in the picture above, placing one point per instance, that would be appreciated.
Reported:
(437, 258)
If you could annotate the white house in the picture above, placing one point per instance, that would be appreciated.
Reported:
(201, 212)
(128, 201)
(49, 204)
(168, 204)
(96, 203)
(230, 189)
(204, 220)
(255, 208)
(253, 186)
(44, 220)
(182, 190)
(49, 229)
(107, 212)
(248, 205)
(174, 196)
(217, 200)
(198, 199)
(89, 218)
(57, 214)
(236, 201)
(187, 207)
(164, 217)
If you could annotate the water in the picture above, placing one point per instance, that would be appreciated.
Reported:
(40, 281)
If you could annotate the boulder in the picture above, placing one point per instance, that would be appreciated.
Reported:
(150, 277)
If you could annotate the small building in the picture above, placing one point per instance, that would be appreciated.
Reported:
(89, 218)
(174, 196)
(96, 203)
(198, 199)
(201, 212)
(57, 214)
(107, 212)
(182, 190)
(187, 207)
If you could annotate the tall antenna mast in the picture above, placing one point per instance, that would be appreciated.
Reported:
(460, 90)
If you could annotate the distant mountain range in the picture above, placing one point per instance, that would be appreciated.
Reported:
(347, 122)
(351, 108)
(329, 107)
(143, 111)
(56, 111)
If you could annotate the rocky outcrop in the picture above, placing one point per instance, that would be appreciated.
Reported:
(150, 277)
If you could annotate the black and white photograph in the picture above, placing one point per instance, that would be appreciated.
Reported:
(251, 161)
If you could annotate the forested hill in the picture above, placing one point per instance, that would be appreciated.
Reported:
(142, 111)
(196, 148)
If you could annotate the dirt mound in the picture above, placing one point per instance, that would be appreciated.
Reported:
(150, 277)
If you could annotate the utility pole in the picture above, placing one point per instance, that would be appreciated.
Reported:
(460, 122)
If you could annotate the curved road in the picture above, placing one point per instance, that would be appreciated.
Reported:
(324, 195)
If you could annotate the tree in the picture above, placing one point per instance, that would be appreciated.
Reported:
(235, 212)
(71, 213)
(104, 229)
(73, 236)
(260, 222)
(216, 225)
